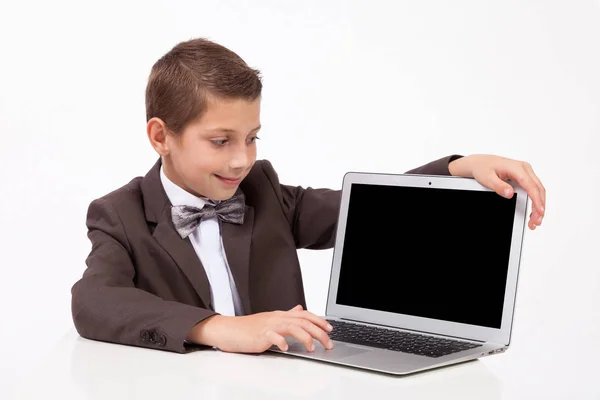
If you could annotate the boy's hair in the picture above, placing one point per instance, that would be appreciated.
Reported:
(182, 80)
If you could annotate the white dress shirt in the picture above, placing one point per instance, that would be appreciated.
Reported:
(208, 244)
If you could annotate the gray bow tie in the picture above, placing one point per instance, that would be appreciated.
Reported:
(187, 218)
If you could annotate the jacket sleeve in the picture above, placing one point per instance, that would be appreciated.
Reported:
(107, 306)
(313, 213)
(437, 167)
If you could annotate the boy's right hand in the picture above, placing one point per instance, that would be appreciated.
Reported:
(257, 332)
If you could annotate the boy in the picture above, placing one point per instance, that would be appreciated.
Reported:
(203, 249)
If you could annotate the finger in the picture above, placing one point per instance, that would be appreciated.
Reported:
(536, 217)
(278, 340)
(492, 181)
(297, 308)
(504, 189)
(315, 319)
(541, 187)
(522, 177)
(300, 334)
(531, 224)
(316, 332)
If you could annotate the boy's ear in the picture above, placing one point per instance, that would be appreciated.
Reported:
(157, 134)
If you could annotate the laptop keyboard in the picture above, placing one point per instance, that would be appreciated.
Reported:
(390, 339)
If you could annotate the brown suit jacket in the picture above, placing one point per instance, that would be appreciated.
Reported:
(145, 286)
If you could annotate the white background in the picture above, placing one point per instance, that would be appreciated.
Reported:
(348, 85)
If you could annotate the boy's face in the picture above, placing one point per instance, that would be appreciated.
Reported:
(214, 153)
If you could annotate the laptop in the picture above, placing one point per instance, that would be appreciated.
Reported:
(424, 273)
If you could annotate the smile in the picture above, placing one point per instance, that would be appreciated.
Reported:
(229, 181)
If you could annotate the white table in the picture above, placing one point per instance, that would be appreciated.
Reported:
(78, 368)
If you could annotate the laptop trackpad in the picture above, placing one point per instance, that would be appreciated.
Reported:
(341, 350)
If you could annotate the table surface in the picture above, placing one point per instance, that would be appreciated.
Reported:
(78, 368)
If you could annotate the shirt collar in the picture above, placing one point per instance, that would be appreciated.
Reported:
(178, 196)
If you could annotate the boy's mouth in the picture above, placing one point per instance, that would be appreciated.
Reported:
(229, 180)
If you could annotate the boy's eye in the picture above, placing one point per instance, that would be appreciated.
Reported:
(223, 142)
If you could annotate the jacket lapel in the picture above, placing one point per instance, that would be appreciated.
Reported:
(182, 251)
(158, 210)
(236, 241)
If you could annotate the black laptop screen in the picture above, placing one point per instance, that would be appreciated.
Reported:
(427, 252)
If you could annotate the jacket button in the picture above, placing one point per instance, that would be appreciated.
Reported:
(145, 336)
(157, 338)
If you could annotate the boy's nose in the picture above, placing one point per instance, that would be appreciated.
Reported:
(239, 160)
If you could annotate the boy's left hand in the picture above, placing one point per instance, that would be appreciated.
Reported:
(492, 172)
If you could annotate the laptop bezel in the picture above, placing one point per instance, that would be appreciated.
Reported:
(409, 322)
